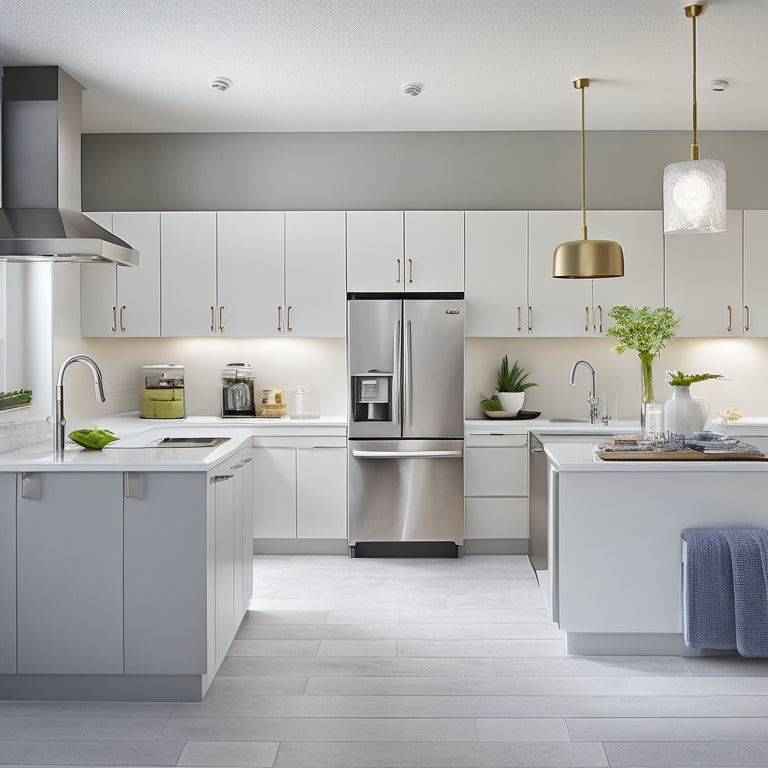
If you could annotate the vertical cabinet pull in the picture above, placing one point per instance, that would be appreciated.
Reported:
(221, 319)
(213, 319)
(599, 319)
(586, 319)
(519, 326)
(31, 486)
(530, 318)
(279, 318)
(288, 319)
(398, 271)
(410, 270)
(730, 318)
(114, 318)
(746, 315)
(122, 318)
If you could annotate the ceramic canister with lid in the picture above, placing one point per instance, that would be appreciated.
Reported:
(162, 392)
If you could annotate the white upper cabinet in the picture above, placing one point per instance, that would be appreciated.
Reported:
(558, 307)
(703, 274)
(375, 251)
(434, 251)
(496, 273)
(754, 312)
(251, 280)
(188, 273)
(124, 301)
(315, 297)
(562, 307)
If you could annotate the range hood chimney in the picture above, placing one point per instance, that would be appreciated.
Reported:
(40, 219)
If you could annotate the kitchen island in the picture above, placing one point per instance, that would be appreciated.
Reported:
(615, 569)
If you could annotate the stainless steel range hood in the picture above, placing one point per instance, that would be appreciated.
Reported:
(40, 219)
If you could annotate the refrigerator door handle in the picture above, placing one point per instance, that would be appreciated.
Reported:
(360, 454)
(408, 378)
(396, 379)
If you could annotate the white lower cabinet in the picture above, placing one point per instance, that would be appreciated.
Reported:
(70, 573)
(8, 573)
(496, 486)
(299, 488)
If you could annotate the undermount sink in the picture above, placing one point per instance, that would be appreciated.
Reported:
(191, 442)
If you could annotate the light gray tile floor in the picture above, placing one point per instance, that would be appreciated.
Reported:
(407, 663)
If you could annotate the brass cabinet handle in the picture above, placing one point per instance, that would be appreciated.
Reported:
(519, 327)
(746, 313)
(410, 270)
(114, 318)
(599, 319)
(730, 318)
(586, 319)
(213, 319)
(221, 319)
(290, 327)
(530, 318)
(122, 318)
(279, 318)
(398, 271)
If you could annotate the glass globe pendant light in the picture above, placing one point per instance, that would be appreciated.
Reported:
(587, 258)
(694, 191)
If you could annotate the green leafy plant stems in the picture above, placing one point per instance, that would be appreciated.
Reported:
(642, 328)
(646, 373)
(680, 379)
(514, 379)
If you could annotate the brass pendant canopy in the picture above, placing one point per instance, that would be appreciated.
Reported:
(587, 259)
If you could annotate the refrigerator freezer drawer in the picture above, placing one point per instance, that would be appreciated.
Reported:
(409, 490)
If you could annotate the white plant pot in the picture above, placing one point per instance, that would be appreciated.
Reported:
(511, 402)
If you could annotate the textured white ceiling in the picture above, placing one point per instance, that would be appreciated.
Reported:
(339, 65)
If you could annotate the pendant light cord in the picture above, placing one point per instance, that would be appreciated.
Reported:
(581, 85)
(694, 11)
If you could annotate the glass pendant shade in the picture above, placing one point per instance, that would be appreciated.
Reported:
(588, 259)
(694, 197)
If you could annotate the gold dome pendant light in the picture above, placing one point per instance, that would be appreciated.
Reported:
(694, 191)
(587, 258)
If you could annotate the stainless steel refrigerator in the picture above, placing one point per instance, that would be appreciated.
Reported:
(406, 421)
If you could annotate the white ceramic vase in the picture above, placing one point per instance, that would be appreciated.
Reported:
(511, 402)
(684, 414)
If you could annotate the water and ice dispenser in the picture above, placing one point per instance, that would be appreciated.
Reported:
(372, 395)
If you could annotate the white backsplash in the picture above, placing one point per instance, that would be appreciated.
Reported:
(17, 434)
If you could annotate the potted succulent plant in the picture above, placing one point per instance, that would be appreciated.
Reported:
(511, 384)
(684, 414)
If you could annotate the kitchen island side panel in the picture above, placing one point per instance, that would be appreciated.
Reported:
(8, 573)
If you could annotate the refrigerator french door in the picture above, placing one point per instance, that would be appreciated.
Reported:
(406, 404)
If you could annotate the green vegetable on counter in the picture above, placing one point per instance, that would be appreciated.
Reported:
(94, 439)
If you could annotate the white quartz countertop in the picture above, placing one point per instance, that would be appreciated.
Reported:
(134, 451)
(545, 426)
(581, 457)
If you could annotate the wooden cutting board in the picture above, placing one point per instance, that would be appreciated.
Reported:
(685, 454)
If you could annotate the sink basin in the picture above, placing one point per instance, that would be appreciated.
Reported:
(191, 442)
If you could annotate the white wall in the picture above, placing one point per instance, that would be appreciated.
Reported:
(743, 361)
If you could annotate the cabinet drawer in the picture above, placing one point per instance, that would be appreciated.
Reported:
(501, 518)
(496, 472)
(496, 440)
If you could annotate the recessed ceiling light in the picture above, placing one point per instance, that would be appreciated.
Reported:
(220, 84)
(413, 89)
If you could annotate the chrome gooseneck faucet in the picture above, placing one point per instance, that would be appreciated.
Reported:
(592, 399)
(98, 383)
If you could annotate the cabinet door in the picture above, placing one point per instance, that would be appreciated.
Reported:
(251, 248)
(70, 573)
(375, 251)
(641, 236)
(496, 273)
(502, 517)
(165, 573)
(754, 316)
(496, 471)
(703, 280)
(224, 515)
(434, 251)
(247, 532)
(8, 573)
(188, 273)
(321, 493)
(315, 273)
(98, 291)
(274, 511)
(138, 288)
(558, 307)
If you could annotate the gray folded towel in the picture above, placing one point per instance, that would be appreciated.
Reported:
(727, 589)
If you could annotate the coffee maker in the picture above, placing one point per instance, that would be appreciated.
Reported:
(237, 400)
